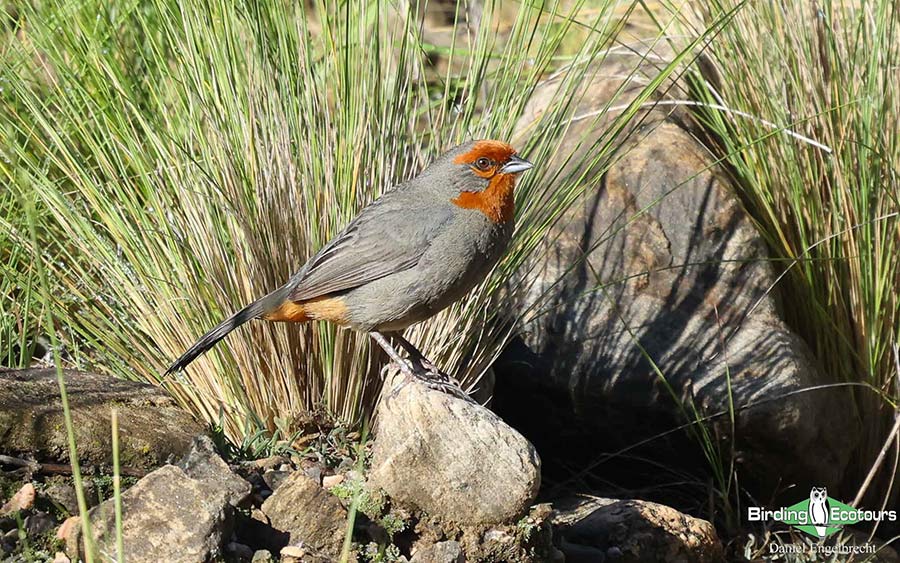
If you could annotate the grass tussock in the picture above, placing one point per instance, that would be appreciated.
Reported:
(187, 157)
(826, 71)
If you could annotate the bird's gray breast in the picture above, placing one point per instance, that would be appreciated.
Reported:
(469, 248)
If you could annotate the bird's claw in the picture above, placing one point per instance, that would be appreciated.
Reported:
(429, 375)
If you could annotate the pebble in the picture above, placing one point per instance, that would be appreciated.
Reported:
(39, 523)
(292, 554)
(332, 480)
(68, 528)
(11, 537)
(275, 478)
(22, 500)
(262, 556)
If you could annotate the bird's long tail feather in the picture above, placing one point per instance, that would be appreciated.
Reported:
(254, 310)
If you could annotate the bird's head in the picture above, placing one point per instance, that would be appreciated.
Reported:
(480, 175)
(479, 162)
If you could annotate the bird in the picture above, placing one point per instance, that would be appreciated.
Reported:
(818, 510)
(410, 253)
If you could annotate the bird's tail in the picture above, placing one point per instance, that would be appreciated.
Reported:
(254, 310)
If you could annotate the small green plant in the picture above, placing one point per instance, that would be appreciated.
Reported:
(376, 553)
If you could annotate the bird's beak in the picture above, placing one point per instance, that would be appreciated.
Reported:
(515, 164)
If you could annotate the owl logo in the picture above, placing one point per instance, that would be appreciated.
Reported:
(818, 509)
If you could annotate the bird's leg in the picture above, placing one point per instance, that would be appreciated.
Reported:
(418, 367)
(428, 373)
(405, 367)
(392, 353)
(420, 363)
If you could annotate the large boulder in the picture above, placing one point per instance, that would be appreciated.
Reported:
(450, 457)
(657, 269)
(178, 513)
(152, 428)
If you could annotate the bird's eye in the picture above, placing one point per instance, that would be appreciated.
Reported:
(483, 163)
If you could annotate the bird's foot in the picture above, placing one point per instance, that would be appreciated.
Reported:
(432, 377)
(427, 374)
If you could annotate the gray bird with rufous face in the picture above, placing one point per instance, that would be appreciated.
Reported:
(409, 254)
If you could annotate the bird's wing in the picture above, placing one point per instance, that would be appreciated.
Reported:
(389, 235)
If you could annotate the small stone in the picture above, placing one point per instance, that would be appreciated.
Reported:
(292, 554)
(62, 493)
(274, 479)
(22, 500)
(308, 514)
(61, 557)
(262, 556)
(11, 537)
(314, 472)
(269, 463)
(441, 552)
(64, 532)
(499, 536)
(332, 480)
(39, 523)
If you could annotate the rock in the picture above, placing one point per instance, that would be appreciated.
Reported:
(151, 425)
(451, 458)
(270, 463)
(274, 479)
(441, 552)
(262, 556)
(39, 523)
(179, 514)
(239, 551)
(659, 260)
(332, 480)
(304, 512)
(68, 531)
(635, 531)
(22, 500)
(61, 492)
(296, 554)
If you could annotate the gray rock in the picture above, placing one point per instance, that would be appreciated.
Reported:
(151, 425)
(306, 513)
(178, 514)
(659, 260)
(274, 479)
(39, 523)
(441, 552)
(62, 493)
(634, 531)
(451, 458)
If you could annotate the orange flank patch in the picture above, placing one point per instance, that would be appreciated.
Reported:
(319, 309)
(494, 150)
(496, 201)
